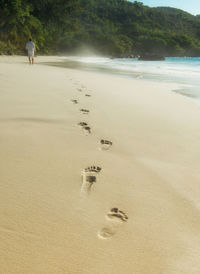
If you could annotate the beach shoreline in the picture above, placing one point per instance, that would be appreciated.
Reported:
(182, 72)
(98, 173)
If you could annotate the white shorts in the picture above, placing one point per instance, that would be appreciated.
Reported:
(31, 54)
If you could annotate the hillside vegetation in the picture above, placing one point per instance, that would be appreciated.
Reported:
(108, 27)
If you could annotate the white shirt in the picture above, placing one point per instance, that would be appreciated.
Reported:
(30, 46)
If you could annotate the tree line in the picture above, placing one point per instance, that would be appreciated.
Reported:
(117, 28)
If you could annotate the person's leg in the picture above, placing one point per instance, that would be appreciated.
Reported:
(32, 61)
(29, 58)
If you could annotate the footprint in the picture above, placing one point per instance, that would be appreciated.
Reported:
(74, 101)
(84, 111)
(85, 127)
(116, 213)
(88, 95)
(115, 218)
(82, 124)
(105, 144)
(87, 130)
(89, 177)
(79, 89)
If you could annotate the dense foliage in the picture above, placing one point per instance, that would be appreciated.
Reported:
(109, 27)
(45, 21)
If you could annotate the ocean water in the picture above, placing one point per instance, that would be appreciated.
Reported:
(183, 71)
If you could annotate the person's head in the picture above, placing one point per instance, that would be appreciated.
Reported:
(30, 39)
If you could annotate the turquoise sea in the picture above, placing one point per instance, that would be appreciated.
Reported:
(185, 71)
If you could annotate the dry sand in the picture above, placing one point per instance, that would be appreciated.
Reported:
(55, 216)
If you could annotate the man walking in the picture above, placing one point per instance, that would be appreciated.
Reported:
(30, 46)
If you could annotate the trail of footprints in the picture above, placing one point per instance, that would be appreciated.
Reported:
(115, 218)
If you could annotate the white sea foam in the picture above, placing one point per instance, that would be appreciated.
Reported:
(184, 71)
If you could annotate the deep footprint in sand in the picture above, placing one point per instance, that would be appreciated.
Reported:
(105, 144)
(84, 111)
(116, 213)
(85, 127)
(88, 95)
(89, 177)
(74, 101)
(87, 130)
(115, 218)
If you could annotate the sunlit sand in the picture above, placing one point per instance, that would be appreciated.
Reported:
(106, 183)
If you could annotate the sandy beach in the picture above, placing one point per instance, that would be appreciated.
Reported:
(99, 174)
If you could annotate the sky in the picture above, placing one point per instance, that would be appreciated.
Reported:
(191, 6)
